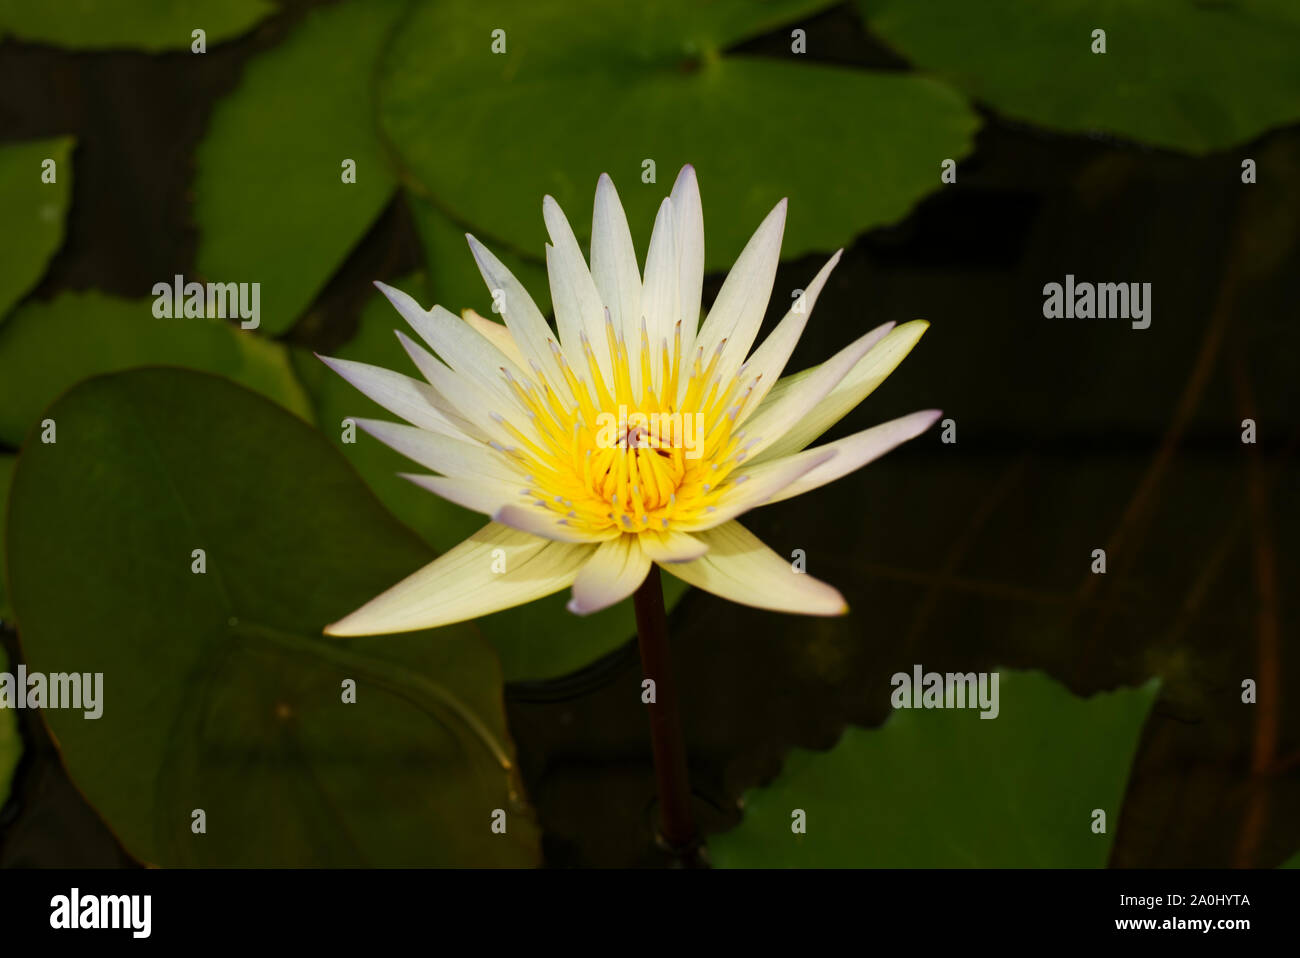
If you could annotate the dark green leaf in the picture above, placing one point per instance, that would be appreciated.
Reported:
(46, 347)
(269, 197)
(590, 87)
(135, 24)
(944, 788)
(220, 692)
(34, 213)
(1184, 75)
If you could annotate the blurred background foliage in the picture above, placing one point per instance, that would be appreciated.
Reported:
(1123, 691)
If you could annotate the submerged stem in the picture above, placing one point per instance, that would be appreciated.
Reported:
(677, 826)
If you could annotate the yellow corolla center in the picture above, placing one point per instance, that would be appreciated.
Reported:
(636, 459)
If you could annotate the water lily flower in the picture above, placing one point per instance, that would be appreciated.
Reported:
(631, 434)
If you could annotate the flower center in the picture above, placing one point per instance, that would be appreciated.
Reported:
(632, 458)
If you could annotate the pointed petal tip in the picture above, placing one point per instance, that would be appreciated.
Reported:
(835, 604)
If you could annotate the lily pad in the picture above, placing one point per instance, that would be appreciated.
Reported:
(1184, 75)
(944, 788)
(587, 87)
(452, 278)
(220, 692)
(47, 347)
(34, 212)
(270, 198)
(151, 25)
(541, 640)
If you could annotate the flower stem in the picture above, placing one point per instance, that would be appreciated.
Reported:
(676, 822)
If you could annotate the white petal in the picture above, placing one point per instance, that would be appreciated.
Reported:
(458, 344)
(740, 568)
(546, 523)
(753, 487)
(613, 263)
(488, 496)
(613, 572)
(774, 390)
(855, 451)
(451, 457)
(773, 420)
(688, 228)
(659, 300)
(525, 321)
(768, 361)
(416, 402)
(468, 582)
(578, 306)
(738, 311)
(461, 399)
(865, 376)
(671, 546)
(497, 334)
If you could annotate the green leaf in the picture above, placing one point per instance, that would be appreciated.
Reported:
(1184, 75)
(540, 640)
(269, 197)
(221, 693)
(7, 465)
(34, 213)
(11, 743)
(452, 277)
(151, 25)
(588, 87)
(46, 347)
(1017, 791)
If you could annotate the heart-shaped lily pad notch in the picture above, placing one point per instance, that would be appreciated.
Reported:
(1039, 785)
(189, 540)
(35, 189)
(492, 110)
(1182, 74)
